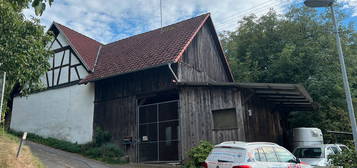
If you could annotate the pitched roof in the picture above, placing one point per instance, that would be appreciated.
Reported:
(84, 46)
(153, 48)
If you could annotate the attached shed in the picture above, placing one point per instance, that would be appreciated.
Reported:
(220, 112)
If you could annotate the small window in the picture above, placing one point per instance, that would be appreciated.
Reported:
(270, 154)
(224, 119)
(257, 155)
(262, 155)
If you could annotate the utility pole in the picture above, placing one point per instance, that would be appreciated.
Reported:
(329, 3)
(2, 94)
(345, 80)
(161, 15)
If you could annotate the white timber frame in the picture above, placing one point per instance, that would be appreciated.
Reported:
(65, 109)
(65, 66)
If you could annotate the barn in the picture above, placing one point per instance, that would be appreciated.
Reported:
(158, 93)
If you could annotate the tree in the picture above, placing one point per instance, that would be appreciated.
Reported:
(23, 52)
(297, 47)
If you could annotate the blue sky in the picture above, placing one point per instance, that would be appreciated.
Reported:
(111, 20)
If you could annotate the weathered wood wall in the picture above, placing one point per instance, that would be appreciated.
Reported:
(116, 102)
(265, 122)
(203, 56)
(196, 105)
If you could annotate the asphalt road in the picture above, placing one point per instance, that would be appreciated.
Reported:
(54, 158)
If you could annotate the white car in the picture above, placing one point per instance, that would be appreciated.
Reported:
(317, 155)
(236, 154)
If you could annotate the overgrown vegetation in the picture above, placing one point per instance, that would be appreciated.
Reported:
(100, 149)
(8, 146)
(197, 155)
(348, 159)
(23, 53)
(298, 47)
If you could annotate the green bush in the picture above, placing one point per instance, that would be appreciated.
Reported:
(348, 159)
(197, 155)
(101, 137)
(100, 149)
(108, 152)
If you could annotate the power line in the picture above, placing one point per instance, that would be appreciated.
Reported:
(229, 22)
(275, 4)
(249, 9)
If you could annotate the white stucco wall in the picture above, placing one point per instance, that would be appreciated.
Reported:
(64, 113)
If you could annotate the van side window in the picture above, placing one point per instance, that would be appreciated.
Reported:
(284, 155)
(270, 154)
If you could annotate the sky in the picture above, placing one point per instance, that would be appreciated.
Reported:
(111, 20)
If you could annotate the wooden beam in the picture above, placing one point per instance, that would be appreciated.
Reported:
(274, 92)
(304, 92)
(267, 85)
(282, 96)
(292, 103)
(61, 49)
(288, 100)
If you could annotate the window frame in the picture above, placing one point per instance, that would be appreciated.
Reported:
(273, 150)
(225, 109)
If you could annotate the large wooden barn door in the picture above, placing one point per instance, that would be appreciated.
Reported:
(158, 132)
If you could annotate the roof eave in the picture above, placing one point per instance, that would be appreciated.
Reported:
(84, 81)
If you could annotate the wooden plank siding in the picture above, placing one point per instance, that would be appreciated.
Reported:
(141, 82)
(203, 56)
(196, 105)
(118, 117)
(116, 102)
(265, 122)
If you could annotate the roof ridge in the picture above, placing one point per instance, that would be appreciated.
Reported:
(159, 28)
(78, 33)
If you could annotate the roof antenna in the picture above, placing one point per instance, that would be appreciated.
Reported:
(161, 14)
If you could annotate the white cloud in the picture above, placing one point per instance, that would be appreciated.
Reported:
(110, 20)
(352, 4)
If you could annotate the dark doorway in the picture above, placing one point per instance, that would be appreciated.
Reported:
(158, 131)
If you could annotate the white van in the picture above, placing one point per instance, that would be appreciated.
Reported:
(235, 154)
(318, 155)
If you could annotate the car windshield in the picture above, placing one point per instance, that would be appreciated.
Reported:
(308, 153)
(233, 155)
(344, 148)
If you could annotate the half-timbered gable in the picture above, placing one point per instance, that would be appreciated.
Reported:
(64, 109)
(67, 65)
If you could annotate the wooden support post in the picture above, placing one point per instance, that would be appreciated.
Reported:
(21, 143)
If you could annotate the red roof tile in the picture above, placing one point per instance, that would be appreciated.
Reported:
(160, 46)
(86, 47)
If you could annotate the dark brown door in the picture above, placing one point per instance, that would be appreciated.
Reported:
(158, 132)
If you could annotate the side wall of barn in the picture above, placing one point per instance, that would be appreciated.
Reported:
(63, 113)
(116, 103)
(263, 121)
(196, 118)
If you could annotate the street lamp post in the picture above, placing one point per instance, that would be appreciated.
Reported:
(329, 3)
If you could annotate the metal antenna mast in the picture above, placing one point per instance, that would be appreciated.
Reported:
(161, 14)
